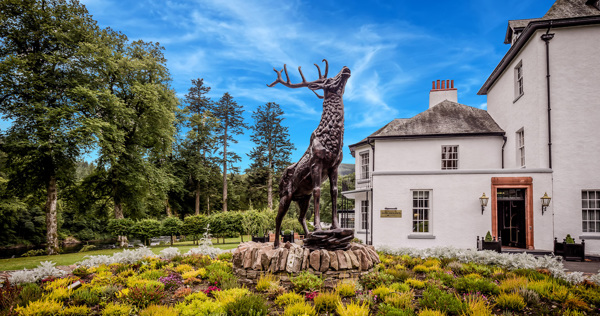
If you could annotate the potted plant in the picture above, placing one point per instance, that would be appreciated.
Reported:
(288, 236)
(489, 243)
(260, 237)
(569, 249)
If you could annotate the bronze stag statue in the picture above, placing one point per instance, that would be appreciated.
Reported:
(303, 179)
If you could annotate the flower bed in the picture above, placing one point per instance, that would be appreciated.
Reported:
(406, 282)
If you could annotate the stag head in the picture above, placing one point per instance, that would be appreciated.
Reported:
(335, 85)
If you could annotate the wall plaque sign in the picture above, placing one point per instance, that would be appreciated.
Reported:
(391, 213)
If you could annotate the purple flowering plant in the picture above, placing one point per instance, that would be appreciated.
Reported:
(174, 280)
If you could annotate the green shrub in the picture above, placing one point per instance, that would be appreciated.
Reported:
(81, 272)
(400, 287)
(144, 295)
(399, 275)
(158, 310)
(472, 285)
(86, 296)
(326, 302)
(288, 299)
(299, 309)
(76, 311)
(512, 301)
(34, 252)
(41, 308)
(152, 275)
(114, 309)
(248, 305)
(420, 268)
(447, 278)
(437, 299)
(532, 275)
(415, 284)
(428, 312)
(382, 291)
(29, 292)
(227, 256)
(388, 310)
(530, 296)
(306, 281)
(266, 282)
(401, 301)
(374, 279)
(569, 239)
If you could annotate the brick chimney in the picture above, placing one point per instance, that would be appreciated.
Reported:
(442, 90)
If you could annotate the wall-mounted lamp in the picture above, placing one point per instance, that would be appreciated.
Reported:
(483, 200)
(545, 202)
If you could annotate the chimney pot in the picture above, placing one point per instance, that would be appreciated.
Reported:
(443, 85)
(447, 84)
(433, 85)
(452, 82)
(438, 85)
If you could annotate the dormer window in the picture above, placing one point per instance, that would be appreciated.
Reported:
(519, 80)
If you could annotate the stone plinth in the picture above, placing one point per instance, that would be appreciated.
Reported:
(251, 260)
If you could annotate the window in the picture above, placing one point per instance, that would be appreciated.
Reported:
(590, 213)
(421, 211)
(364, 165)
(521, 147)
(364, 214)
(347, 220)
(449, 157)
(518, 80)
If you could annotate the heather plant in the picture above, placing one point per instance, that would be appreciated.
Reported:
(158, 310)
(198, 307)
(512, 284)
(477, 305)
(471, 284)
(144, 295)
(182, 292)
(8, 296)
(415, 284)
(226, 256)
(352, 309)
(59, 294)
(346, 288)
(40, 307)
(86, 296)
(247, 305)
(437, 299)
(29, 292)
(400, 287)
(381, 292)
(326, 302)
(388, 310)
(401, 301)
(299, 309)
(400, 275)
(81, 272)
(226, 296)
(173, 281)
(306, 281)
(511, 301)
(420, 268)
(288, 299)
(429, 312)
(183, 268)
(197, 296)
(116, 309)
(530, 296)
(153, 274)
(75, 311)
(266, 282)
(374, 279)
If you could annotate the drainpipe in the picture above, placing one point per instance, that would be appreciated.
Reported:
(503, 144)
(369, 227)
(546, 38)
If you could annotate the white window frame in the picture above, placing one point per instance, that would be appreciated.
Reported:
(520, 141)
(590, 211)
(364, 164)
(519, 87)
(449, 157)
(364, 214)
(347, 220)
(421, 211)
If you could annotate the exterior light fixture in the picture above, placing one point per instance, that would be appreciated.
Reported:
(545, 202)
(483, 200)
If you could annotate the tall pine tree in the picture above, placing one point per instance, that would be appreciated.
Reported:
(273, 145)
(231, 123)
(43, 60)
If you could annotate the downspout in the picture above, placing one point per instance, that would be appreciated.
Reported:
(546, 38)
(369, 228)
(503, 144)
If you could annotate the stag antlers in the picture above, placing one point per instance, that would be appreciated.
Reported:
(304, 83)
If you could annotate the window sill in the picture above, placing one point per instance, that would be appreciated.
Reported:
(419, 236)
(361, 232)
(517, 98)
(362, 181)
(590, 237)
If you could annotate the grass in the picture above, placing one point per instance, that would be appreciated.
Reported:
(71, 258)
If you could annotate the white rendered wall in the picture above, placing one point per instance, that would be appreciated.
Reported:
(437, 96)
(456, 218)
(426, 153)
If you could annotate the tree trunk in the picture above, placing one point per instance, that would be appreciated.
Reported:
(270, 183)
(168, 208)
(225, 170)
(118, 215)
(197, 206)
(207, 204)
(51, 218)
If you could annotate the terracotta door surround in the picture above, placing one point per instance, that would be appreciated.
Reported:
(514, 183)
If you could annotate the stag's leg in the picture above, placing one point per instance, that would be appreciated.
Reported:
(316, 184)
(303, 205)
(284, 205)
(333, 177)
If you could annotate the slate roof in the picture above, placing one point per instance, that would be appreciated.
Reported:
(515, 25)
(562, 9)
(446, 118)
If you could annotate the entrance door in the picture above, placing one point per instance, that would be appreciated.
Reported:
(511, 217)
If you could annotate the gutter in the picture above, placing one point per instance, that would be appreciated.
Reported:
(504, 138)
(547, 38)
(524, 38)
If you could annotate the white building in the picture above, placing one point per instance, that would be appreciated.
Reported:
(419, 180)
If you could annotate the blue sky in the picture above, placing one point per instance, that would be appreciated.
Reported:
(393, 48)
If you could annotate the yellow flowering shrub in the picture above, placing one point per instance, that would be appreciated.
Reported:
(230, 295)
(183, 268)
(75, 311)
(158, 310)
(40, 308)
(59, 294)
(60, 283)
(114, 309)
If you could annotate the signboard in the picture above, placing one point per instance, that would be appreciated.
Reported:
(391, 213)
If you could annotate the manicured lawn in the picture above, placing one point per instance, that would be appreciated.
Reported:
(71, 258)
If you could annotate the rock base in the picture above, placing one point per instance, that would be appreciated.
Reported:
(251, 260)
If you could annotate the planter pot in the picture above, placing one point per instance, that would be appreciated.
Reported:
(260, 239)
(288, 238)
(489, 245)
(570, 252)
